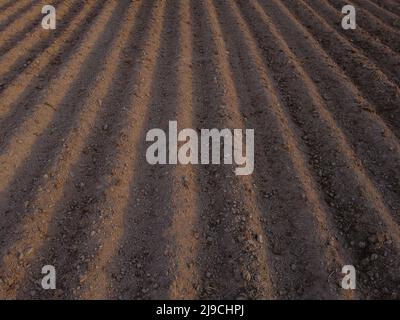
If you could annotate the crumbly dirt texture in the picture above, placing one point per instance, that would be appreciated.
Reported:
(76, 191)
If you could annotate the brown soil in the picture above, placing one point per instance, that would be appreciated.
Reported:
(76, 191)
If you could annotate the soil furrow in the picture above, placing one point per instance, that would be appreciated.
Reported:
(334, 164)
(75, 146)
(230, 236)
(128, 221)
(149, 206)
(14, 12)
(77, 209)
(185, 220)
(381, 14)
(374, 85)
(390, 5)
(33, 80)
(362, 127)
(7, 5)
(46, 129)
(321, 256)
(24, 50)
(383, 56)
(78, 189)
(16, 31)
(385, 33)
(54, 98)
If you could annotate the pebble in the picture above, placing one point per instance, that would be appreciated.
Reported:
(246, 275)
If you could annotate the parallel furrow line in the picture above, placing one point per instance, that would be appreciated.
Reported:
(382, 55)
(117, 196)
(11, 13)
(367, 77)
(32, 41)
(185, 194)
(331, 257)
(11, 94)
(56, 92)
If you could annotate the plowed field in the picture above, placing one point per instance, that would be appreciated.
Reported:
(76, 191)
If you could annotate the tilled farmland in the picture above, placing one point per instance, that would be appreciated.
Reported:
(77, 193)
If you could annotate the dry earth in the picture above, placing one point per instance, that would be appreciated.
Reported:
(76, 191)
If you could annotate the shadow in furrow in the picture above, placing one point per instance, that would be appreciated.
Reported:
(21, 107)
(144, 266)
(26, 183)
(71, 245)
(22, 58)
